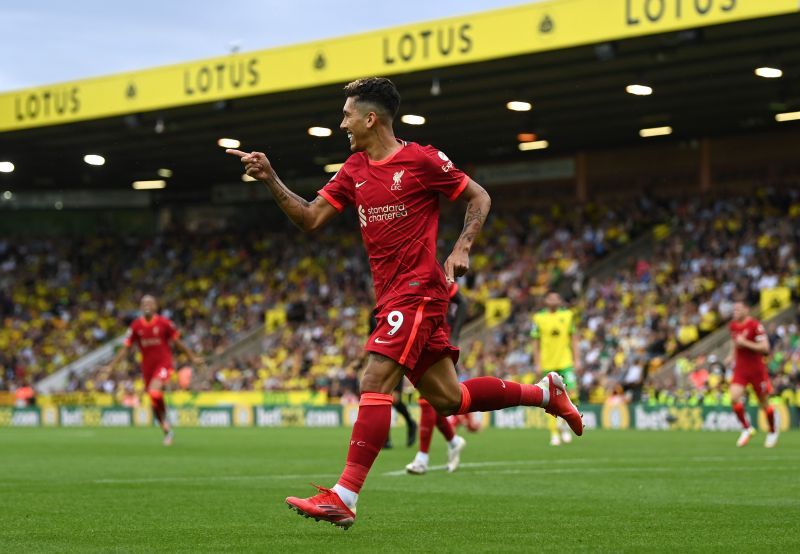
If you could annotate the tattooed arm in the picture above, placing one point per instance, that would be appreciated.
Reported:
(478, 204)
(307, 216)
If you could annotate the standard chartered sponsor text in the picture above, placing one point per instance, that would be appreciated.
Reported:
(386, 212)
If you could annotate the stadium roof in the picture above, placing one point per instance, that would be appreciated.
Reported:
(568, 58)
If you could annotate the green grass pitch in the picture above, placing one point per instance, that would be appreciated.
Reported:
(222, 490)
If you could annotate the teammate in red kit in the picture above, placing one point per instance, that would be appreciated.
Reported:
(154, 334)
(750, 345)
(395, 187)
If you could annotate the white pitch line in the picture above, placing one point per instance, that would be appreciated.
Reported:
(508, 463)
(642, 469)
(698, 459)
(472, 465)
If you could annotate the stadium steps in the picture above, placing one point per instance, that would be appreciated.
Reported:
(57, 381)
(251, 343)
(247, 344)
(717, 343)
(609, 265)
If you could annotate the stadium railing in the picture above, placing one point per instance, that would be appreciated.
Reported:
(85, 364)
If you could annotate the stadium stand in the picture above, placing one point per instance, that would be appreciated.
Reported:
(658, 305)
(217, 286)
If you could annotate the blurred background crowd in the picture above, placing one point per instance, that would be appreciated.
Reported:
(676, 266)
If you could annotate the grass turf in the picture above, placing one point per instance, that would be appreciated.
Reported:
(215, 490)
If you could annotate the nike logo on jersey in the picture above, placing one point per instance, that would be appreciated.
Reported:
(379, 341)
(362, 183)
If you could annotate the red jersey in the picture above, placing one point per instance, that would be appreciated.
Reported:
(153, 339)
(746, 359)
(397, 200)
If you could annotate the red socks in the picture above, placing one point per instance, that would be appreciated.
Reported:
(771, 418)
(428, 418)
(738, 409)
(157, 403)
(485, 394)
(444, 427)
(368, 437)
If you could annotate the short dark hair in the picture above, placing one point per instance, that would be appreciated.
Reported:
(375, 90)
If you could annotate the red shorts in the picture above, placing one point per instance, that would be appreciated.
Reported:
(410, 331)
(756, 378)
(162, 373)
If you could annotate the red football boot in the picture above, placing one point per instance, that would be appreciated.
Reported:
(560, 405)
(325, 506)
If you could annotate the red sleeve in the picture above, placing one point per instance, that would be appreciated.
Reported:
(340, 190)
(442, 176)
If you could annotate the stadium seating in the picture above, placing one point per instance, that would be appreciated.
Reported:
(60, 299)
(661, 303)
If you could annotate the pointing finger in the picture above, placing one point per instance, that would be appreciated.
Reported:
(234, 152)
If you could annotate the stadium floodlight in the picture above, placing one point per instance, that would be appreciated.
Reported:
(94, 159)
(519, 106)
(639, 90)
(332, 168)
(787, 116)
(526, 137)
(164, 172)
(8, 195)
(769, 72)
(411, 119)
(535, 145)
(6, 167)
(229, 143)
(319, 131)
(149, 185)
(655, 132)
(247, 179)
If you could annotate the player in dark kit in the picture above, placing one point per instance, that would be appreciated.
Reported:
(154, 334)
(395, 186)
(750, 345)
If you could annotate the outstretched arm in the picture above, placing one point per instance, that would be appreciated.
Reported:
(760, 345)
(478, 204)
(537, 358)
(576, 352)
(307, 216)
(121, 353)
(194, 358)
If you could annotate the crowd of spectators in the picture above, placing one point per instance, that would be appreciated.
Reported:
(705, 255)
(61, 298)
